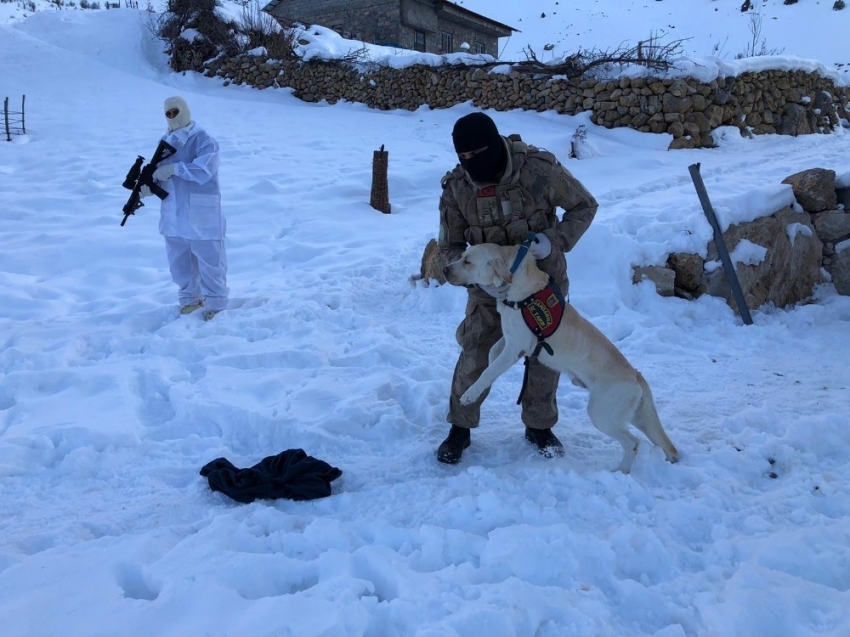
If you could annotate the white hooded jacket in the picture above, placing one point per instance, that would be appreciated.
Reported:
(192, 209)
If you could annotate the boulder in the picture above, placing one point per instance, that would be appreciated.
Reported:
(663, 278)
(688, 269)
(814, 189)
(431, 267)
(839, 270)
(790, 270)
(832, 226)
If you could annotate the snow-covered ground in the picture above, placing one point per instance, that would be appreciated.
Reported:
(110, 401)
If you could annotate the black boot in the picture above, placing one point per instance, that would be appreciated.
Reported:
(451, 449)
(547, 444)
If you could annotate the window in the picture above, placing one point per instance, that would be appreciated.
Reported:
(447, 42)
(418, 40)
(480, 48)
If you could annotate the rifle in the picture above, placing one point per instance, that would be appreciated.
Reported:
(138, 177)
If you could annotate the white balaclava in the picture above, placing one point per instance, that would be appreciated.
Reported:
(183, 117)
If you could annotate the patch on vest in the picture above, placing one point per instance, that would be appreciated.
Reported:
(543, 312)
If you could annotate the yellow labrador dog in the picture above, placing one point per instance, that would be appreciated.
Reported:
(619, 395)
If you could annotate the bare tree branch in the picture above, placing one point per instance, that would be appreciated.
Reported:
(650, 53)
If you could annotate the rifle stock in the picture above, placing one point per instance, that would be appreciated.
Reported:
(137, 178)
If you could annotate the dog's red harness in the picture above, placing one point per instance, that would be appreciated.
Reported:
(542, 312)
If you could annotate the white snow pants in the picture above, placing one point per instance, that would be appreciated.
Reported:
(199, 268)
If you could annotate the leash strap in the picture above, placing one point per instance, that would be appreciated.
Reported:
(523, 250)
(524, 382)
(541, 344)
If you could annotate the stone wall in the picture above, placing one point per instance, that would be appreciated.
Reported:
(365, 20)
(803, 248)
(785, 102)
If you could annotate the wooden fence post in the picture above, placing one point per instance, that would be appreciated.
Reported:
(380, 199)
(6, 118)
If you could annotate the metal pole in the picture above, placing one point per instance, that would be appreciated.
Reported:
(6, 118)
(728, 266)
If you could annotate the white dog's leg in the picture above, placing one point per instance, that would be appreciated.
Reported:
(498, 366)
(646, 419)
(497, 348)
(610, 408)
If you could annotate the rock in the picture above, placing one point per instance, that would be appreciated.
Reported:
(689, 269)
(663, 278)
(432, 264)
(814, 189)
(839, 270)
(833, 225)
(786, 276)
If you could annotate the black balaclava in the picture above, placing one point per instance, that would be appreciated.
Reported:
(475, 131)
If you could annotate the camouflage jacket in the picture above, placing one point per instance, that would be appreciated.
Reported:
(524, 201)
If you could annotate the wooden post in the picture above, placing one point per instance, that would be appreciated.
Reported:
(380, 199)
(23, 124)
(6, 118)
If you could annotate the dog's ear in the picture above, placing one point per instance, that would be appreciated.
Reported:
(502, 271)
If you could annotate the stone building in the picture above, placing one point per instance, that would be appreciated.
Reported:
(431, 26)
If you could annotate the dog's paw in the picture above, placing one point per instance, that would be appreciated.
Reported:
(468, 398)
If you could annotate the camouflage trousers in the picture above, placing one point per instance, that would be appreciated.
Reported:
(480, 330)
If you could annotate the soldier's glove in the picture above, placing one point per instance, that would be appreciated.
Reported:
(163, 173)
(541, 247)
(144, 191)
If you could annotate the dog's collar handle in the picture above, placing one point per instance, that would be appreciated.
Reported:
(523, 250)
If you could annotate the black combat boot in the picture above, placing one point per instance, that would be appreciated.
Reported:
(451, 449)
(547, 444)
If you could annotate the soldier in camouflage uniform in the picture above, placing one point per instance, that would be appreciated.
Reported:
(501, 190)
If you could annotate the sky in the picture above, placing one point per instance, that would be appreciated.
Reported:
(111, 401)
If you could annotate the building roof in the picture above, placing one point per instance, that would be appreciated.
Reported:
(463, 10)
(451, 6)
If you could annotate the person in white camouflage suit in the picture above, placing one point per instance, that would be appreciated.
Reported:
(190, 216)
(501, 190)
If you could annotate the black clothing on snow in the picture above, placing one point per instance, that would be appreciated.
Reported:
(291, 474)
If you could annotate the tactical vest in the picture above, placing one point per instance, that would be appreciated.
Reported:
(505, 213)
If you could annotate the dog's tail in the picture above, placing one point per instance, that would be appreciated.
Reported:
(646, 419)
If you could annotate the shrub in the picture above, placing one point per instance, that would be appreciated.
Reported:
(262, 30)
(212, 34)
